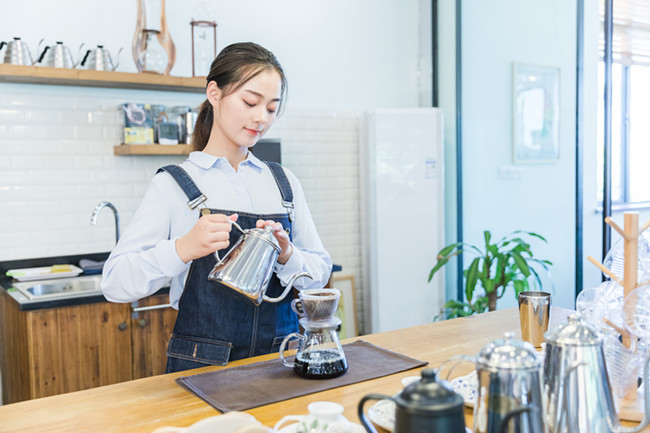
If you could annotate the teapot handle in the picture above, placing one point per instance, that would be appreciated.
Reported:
(2, 44)
(81, 47)
(296, 418)
(288, 288)
(284, 345)
(38, 48)
(362, 414)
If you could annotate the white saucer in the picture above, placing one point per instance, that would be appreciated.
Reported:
(291, 428)
(467, 387)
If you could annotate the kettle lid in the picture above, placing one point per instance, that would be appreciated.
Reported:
(266, 234)
(573, 332)
(508, 353)
(427, 396)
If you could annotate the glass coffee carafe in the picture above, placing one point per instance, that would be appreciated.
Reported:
(320, 355)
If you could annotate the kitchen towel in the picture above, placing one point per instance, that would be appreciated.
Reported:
(248, 386)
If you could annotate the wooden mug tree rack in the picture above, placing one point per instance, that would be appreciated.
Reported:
(630, 233)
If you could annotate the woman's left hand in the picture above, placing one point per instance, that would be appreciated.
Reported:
(281, 236)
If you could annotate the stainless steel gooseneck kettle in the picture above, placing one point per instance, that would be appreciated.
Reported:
(578, 393)
(248, 266)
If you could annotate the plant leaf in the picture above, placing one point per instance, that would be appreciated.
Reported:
(448, 249)
(521, 263)
(472, 277)
(487, 236)
(435, 269)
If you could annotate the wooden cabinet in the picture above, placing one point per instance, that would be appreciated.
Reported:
(57, 350)
(150, 334)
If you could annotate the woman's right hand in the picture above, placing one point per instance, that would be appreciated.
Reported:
(210, 233)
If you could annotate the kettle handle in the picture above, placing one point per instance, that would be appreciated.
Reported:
(40, 59)
(232, 223)
(83, 62)
(288, 288)
(503, 428)
(2, 44)
(79, 55)
(362, 414)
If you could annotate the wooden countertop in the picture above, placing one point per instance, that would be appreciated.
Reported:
(146, 404)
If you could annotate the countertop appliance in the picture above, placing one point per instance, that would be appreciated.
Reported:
(402, 214)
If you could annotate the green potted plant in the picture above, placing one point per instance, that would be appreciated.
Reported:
(504, 263)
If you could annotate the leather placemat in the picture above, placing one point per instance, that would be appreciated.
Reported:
(248, 386)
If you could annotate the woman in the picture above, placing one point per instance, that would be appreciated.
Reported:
(185, 217)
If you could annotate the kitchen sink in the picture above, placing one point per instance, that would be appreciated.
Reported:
(60, 288)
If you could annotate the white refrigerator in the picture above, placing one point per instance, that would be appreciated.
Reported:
(402, 196)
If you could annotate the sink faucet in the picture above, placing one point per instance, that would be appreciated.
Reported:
(98, 208)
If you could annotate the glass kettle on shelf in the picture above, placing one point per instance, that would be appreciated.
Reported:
(152, 58)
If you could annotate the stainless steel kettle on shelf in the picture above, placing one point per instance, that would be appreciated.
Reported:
(577, 389)
(17, 52)
(248, 266)
(58, 56)
(99, 59)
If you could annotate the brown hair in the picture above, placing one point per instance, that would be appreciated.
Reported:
(233, 67)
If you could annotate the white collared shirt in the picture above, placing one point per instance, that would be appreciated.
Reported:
(145, 258)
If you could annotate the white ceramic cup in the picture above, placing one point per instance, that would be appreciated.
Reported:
(323, 417)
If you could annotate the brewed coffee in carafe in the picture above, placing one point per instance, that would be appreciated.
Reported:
(320, 355)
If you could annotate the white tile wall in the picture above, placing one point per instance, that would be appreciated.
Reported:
(57, 163)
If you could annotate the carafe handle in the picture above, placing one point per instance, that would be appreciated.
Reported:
(288, 288)
(284, 345)
(362, 414)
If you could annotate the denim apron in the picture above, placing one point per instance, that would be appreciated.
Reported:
(215, 324)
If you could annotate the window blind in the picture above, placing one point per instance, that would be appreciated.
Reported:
(631, 34)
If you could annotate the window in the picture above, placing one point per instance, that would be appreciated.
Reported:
(630, 102)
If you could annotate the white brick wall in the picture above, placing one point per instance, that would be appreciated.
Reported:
(57, 163)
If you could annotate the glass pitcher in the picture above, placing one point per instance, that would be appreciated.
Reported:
(320, 355)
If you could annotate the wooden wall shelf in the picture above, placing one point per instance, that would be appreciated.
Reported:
(152, 149)
(81, 77)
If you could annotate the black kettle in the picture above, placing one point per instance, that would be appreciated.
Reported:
(423, 406)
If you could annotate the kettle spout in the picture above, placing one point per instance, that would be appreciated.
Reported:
(117, 59)
(288, 288)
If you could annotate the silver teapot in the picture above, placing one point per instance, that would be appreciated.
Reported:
(99, 59)
(248, 266)
(509, 392)
(17, 52)
(58, 56)
(577, 389)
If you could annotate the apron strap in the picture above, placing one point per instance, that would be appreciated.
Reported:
(284, 185)
(195, 196)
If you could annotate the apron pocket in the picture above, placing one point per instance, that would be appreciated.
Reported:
(200, 350)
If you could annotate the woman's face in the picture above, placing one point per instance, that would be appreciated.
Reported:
(243, 117)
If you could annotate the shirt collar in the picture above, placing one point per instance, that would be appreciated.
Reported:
(205, 160)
